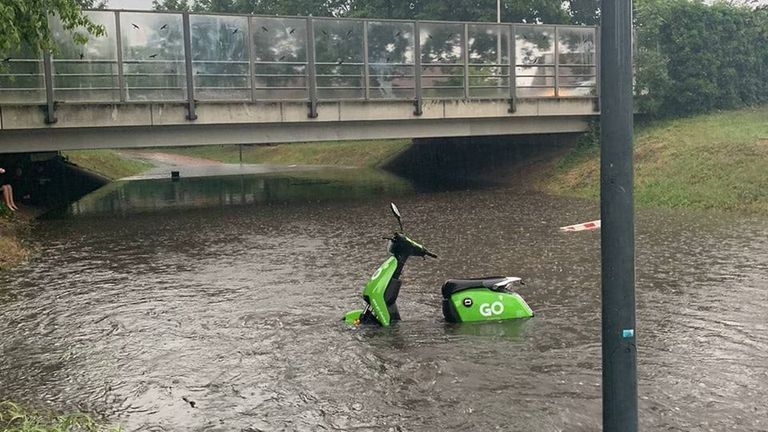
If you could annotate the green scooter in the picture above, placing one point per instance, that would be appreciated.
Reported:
(464, 300)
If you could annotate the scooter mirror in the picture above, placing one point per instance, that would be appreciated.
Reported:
(396, 212)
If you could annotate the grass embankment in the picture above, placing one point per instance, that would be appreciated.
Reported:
(712, 161)
(366, 154)
(106, 163)
(15, 418)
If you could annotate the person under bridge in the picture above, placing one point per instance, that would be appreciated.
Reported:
(7, 192)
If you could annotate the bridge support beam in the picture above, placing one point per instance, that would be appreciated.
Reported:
(31, 140)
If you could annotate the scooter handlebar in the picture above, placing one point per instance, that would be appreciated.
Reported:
(429, 254)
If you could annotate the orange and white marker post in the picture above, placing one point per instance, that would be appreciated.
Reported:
(586, 226)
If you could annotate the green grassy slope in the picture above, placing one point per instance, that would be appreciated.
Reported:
(717, 161)
(107, 163)
(343, 153)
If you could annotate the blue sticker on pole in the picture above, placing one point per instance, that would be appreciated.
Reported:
(628, 333)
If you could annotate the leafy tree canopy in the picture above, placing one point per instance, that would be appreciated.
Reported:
(25, 23)
(549, 11)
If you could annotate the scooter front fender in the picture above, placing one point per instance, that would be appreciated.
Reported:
(376, 287)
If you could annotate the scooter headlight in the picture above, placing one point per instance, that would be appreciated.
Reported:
(391, 247)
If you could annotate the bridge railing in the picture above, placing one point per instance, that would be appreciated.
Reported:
(174, 57)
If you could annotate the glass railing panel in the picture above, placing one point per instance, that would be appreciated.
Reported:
(153, 56)
(389, 81)
(535, 61)
(88, 72)
(154, 60)
(576, 53)
(443, 81)
(339, 59)
(220, 57)
(487, 81)
(488, 55)
(442, 60)
(280, 58)
(21, 78)
(391, 60)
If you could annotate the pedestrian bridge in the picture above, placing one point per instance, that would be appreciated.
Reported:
(169, 79)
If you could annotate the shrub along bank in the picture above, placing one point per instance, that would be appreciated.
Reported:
(12, 230)
(693, 57)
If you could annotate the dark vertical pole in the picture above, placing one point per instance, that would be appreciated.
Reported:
(50, 109)
(191, 114)
(618, 226)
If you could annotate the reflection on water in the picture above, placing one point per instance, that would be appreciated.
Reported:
(237, 308)
(154, 195)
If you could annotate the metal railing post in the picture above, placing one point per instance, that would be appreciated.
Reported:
(465, 58)
(121, 89)
(191, 114)
(311, 69)
(251, 59)
(557, 63)
(596, 57)
(366, 62)
(511, 47)
(50, 108)
(417, 69)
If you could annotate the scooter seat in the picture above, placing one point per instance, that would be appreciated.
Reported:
(452, 286)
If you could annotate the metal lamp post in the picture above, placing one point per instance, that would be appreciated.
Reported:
(617, 214)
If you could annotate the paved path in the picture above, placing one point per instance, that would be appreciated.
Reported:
(189, 166)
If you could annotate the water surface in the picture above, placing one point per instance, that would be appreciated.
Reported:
(149, 293)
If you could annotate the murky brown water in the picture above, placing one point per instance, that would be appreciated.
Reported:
(235, 306)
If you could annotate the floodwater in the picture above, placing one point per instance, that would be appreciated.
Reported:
(150, 296)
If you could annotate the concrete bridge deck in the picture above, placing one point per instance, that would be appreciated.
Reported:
(168, 79)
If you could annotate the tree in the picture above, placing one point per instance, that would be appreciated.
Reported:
(171, 5)
(93, 4)
(584, 11)
(532, 11)
(25, 24)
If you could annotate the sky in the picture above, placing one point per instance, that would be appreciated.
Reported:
(129, 4)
